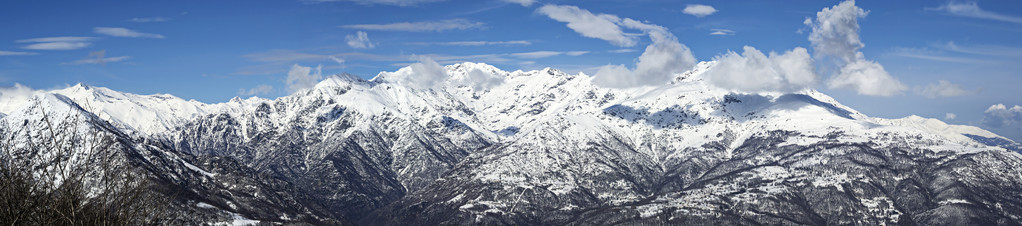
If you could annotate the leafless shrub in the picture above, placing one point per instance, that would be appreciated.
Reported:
(58, 172)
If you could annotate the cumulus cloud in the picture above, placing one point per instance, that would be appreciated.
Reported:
(124, 32)
(753, 71)
(943, 88)
(657, 64)
(601, 26)
(403, 3)
(971, 9)
(699, 10)
(261, 89)
(300, 77)
(13, 97)
(424, 74)
(359, 41)
(866, 78)
(835, 40)
(525, 3)
(1000, 116)
(480, 80)
(15, 53)
(421, 26)
(835, 32)
(950, 116)
(149, 19)
(57, 43)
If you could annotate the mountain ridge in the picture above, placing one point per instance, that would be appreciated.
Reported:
(488, 146)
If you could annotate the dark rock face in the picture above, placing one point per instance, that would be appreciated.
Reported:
(764, 183)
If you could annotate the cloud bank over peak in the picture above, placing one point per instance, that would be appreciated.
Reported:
(657, 64)
(835, 41)
(424, 74)
(11, 98)
(753, 71)
(300, 77)
(1000, 116)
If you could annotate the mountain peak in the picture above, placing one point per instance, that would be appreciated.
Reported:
(343, 79)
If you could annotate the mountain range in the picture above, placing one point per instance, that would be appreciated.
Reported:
(487, 146)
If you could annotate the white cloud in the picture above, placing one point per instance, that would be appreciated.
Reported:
(474, 43)
(986, 50)
(576, 53)
(602, 26)
(261, 89)
(15, 53)
(722, 32)
(359, 41)
(835, 40)
(124, 32)
(300, 77)
(525, 3)
(57, 43)
(14, 97)
(421, 26)
(866, 78)
(57, 39)
(403, 3)
(971, 9)
(943, 89)
(925, 54)
(699, 10)
(753, 71)
(149, 19)
(480, 80)
(621, 51)
(536, 54)
(338, 60)
(950, 116)
(101, 60)
(424, 74)
(835, 32)
(657, 65)
(1001, 116)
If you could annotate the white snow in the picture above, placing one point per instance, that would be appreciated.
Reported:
(197, 169)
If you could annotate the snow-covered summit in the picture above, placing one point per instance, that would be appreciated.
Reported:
(148, 114)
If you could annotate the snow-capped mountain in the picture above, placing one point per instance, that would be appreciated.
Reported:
(487, 146)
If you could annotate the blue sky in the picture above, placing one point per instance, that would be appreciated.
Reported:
(951, 57)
